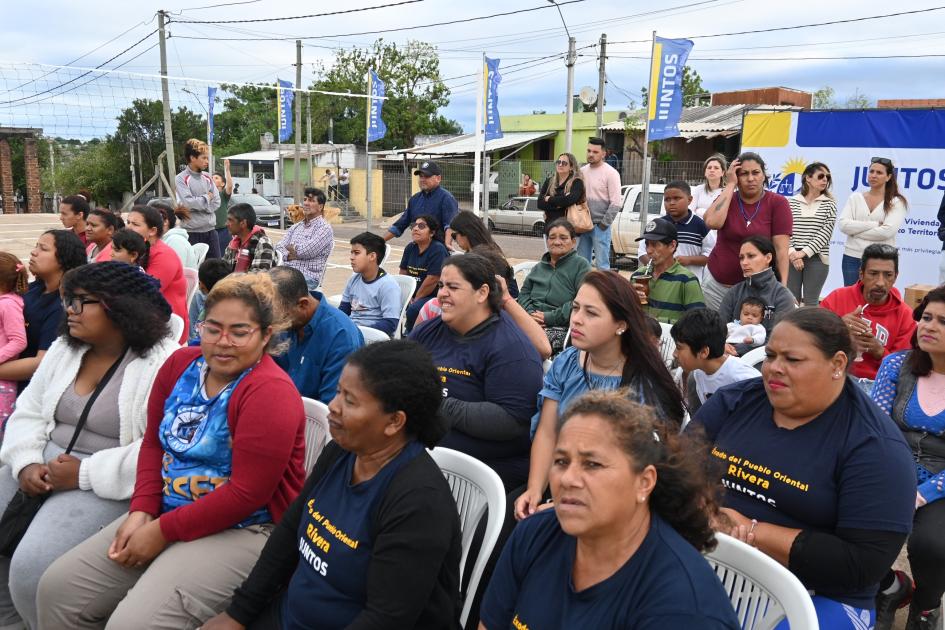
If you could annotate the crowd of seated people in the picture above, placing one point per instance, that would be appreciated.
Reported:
(169, 482)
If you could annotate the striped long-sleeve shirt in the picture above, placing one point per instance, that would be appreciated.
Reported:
(813, 225)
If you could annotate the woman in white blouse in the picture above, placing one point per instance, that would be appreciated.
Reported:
(815, 212)
(703, 196)
(871, 217)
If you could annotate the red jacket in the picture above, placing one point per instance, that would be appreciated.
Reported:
(267, 425)
(164, 264)
(891, 323)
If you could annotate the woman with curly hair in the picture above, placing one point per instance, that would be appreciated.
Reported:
(220, 462)
(55, 253)
(816, 476)
(115, 318)
(621, 548)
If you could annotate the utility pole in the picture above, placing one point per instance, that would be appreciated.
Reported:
(569, 105)
(166, 97)
(298, 118)
(131, 164)
(601, 82)
(308, 105)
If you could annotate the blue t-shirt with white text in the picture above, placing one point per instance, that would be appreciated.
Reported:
(665, 585)
(335, 541)
(848, 468)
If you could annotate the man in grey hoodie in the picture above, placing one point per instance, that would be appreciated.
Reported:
(195, 189)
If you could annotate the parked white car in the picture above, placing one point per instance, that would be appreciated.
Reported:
(626, 227)
(518, 214)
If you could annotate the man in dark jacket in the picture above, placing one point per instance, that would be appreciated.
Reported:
(433, 200)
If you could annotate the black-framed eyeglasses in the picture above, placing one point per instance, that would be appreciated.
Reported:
(563, 163)
(77, 303)
(881, 160)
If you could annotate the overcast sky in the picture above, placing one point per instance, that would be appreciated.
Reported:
(59, 32)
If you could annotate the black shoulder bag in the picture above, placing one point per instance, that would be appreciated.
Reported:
(23, 507)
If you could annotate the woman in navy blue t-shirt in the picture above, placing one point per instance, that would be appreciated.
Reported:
(490, 373)
(816, 476)
(373, 540)
(621, 548)
(422, 259)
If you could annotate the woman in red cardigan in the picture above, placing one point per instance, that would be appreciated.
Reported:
(220, 461)
(163, 262)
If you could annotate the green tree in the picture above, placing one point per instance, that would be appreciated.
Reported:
(415, 92)
(691, 88)
(824, 98)
(248, 112)
(99, 166)
(144, 122)
(858, 100)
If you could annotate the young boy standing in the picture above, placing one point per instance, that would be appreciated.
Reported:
(700, 351)
(371, 298)
(695, 240)
(196, 190)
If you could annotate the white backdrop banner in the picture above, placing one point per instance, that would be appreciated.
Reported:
(846, 141)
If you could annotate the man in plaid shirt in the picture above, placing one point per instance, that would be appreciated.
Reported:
(308, 244)
(250, 249)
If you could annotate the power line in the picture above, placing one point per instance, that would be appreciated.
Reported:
(215, 6)
(81, 57)
(23, 98)
(392, 30)
(791, 28)
(300, 17)
(854, 57)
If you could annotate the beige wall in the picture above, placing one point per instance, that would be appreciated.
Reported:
(359, 191)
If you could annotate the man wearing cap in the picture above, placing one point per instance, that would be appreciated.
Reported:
(673, 289)
(433, 200)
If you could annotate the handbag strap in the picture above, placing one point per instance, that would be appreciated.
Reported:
(88, 406)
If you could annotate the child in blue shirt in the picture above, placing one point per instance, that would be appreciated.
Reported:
(371, 297)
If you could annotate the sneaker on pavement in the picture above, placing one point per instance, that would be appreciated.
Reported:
(888, 604)
(923, 620)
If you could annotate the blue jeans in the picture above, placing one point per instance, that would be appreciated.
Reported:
(597, 241)
(850, 267)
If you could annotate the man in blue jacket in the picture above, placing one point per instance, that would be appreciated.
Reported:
(433, 200)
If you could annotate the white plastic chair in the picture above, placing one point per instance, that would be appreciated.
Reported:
(191, 276)
(176, 322)
(475, 487)
(753, 357)
(408, 284)
(546, 365)
(762, 591)
(335, 300)
(200, 252)
(667, 345)
(523, 268)
(316, 430)
(372, 335)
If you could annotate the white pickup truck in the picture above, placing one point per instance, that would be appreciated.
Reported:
(626, 226)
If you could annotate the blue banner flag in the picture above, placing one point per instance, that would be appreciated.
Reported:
(493, 126)
(286, 97)
(665, 93)
(211, 96)
(376, 127)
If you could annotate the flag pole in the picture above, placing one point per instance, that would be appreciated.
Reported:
(480, 142)
(650, 107)
(367, 154)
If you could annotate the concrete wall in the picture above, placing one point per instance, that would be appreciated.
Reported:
(359, 191)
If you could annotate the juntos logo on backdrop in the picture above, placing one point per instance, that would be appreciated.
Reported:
(908, 176)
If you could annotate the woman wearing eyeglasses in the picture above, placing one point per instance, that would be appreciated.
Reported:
(562, 190)
(114, 316)
(422, 259)
(815, 212)
(220, 461)
(871, 217)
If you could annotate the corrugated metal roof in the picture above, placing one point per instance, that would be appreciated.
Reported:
(466, 144)
(705, 122)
